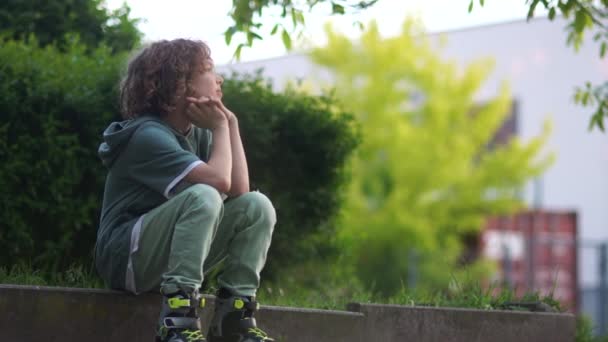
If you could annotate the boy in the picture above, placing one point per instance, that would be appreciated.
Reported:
(164, 222)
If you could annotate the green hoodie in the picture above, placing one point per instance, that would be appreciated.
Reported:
(146, 160)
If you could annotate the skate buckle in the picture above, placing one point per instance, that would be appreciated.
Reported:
(176, 303)
(239, 304)
(181, 323)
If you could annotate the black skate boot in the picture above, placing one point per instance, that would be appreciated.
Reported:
(179, 320)
(233, 320)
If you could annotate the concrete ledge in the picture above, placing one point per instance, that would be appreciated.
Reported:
(35, 313)
(422, 324)
(309, 325)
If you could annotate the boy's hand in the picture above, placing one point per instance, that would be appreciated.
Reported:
(227, 112)
(206, 112)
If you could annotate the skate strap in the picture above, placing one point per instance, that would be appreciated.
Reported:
(247, 323)
(181, 323)
(240, 304)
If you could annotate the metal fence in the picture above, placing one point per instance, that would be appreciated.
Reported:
(590, 300)
(594, 300)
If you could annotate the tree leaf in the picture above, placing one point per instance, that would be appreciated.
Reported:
(286, 39)
(565, 7)
(337, 8)
(481, 2)
(237, 52)
(603, 49)
(597, 36)
(228, 34)
(294, 19)
(552, 13)
(585, 98)
(580, 20)
(597, 120)
(251, 36)
(471, 6)
(300, 17)
(532, 8)
(274, 29)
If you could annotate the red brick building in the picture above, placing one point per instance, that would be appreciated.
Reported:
(536, 251)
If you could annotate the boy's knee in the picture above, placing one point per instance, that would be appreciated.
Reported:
(262, 206)
(204, 194)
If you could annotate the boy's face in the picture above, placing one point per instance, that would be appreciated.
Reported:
(206, 82)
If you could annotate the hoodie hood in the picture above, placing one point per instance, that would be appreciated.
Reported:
(117, 136)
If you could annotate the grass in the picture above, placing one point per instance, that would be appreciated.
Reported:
(332, 296)
(75, 276)
(584, 331)
(471, 296)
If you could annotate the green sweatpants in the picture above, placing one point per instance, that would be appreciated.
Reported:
(194, 231)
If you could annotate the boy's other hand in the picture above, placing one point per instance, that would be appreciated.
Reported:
(205, 112)
(229, 114)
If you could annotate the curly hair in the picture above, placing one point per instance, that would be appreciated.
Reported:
(158, 75)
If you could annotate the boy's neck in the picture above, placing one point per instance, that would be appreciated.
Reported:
(179, 123)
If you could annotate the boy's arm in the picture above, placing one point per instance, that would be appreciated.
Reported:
(217, 171)
(240, 171)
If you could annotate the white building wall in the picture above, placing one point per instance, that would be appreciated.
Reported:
(542, 73)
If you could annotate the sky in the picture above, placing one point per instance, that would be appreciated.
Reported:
(208, 19)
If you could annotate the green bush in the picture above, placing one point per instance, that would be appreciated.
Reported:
(53, 22)
(54, 106)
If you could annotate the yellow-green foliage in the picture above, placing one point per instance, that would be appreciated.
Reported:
(424, 176)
